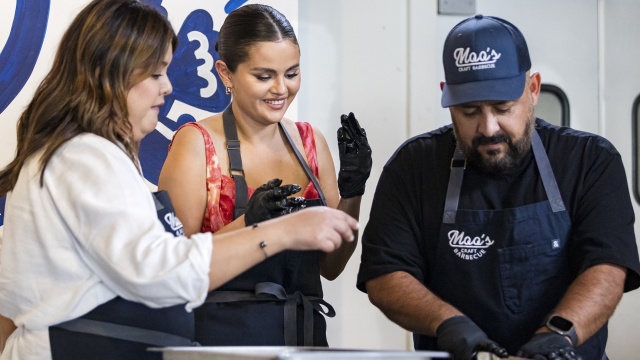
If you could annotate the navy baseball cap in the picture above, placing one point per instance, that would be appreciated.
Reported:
(485, 58)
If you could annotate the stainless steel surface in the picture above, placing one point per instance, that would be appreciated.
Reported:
(291, 353)
(490, 356)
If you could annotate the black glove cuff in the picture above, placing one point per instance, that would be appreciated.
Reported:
(455, 321)
(348, 195)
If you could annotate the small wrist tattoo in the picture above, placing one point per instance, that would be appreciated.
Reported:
(263, 245)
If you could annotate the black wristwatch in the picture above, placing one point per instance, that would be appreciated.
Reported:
(562, 326)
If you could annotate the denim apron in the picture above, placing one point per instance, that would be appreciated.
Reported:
(122, 329)
(278, 301)
(505, 269)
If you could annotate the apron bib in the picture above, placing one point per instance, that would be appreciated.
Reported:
(505, 269)
(278, 301)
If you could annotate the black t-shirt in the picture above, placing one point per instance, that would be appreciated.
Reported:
(407, 209)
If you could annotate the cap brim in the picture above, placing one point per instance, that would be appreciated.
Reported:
(488, 90)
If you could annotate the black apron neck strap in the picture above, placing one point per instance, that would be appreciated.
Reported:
(235, 162)
(304, 164)
(458, 165)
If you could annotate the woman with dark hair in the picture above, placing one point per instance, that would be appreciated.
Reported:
(214, 165)
(88, 271)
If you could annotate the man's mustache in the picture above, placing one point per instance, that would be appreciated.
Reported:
(496, 139)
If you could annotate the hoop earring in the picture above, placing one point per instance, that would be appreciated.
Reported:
(227, 90)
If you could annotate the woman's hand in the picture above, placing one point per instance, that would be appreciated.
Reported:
(318, 228)
(272, 200)
(315, 228)
(355, 157)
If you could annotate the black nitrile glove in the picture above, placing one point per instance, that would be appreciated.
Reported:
(550, 346)
(464, 339)
(355, 157)
(271, 200)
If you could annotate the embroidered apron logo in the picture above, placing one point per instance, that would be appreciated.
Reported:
(467, 247)
(174, 223)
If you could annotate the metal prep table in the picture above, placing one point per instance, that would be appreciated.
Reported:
(290, 353)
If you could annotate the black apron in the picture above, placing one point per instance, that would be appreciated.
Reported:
(122, 329)
(505, 269)
(278, 301)
(166, 213)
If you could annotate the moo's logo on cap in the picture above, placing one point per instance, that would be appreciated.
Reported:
(468, 60)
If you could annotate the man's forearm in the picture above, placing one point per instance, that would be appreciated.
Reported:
(591, 299)
(408, 303)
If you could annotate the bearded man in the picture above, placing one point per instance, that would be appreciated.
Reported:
(500, 232)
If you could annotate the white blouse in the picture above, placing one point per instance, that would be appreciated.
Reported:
(89, 234)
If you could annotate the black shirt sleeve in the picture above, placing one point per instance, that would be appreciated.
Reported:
(407, 209)
(600, 204)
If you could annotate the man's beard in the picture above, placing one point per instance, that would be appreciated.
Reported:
(516, 150)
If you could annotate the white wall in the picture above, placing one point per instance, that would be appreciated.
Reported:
(355, 59)
(620, 85)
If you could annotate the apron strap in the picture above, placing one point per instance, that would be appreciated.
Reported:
(304, 165)
(124, 332)
(235, 162)
(546, 174)
(458, 165)
(268, 291)
(166, 213)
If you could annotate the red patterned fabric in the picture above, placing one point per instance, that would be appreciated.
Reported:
(221, 190)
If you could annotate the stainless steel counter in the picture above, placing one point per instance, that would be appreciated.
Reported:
(291, 353)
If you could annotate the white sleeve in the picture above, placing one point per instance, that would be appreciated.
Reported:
(107, 206)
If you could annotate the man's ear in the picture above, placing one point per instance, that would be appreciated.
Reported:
(535, 83)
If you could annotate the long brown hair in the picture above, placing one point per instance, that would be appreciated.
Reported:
(86, 88)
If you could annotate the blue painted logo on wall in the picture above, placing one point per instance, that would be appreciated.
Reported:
(22, 48)
(20, 53)
(196, 85)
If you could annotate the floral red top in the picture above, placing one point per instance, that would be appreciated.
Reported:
(221, 189)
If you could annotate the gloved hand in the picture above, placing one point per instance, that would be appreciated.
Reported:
(549, 346)
(355, 157)
(271, 200)
(461, 337)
